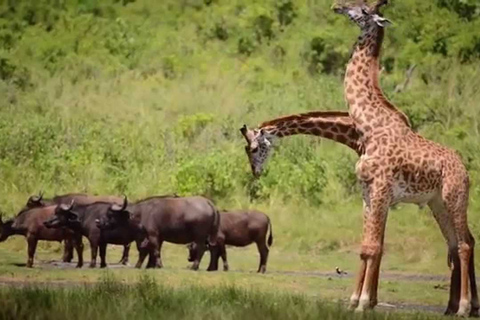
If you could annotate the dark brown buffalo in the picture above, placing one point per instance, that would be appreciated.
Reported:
(80, 199)
(239, 228)
(179, 220)
(29, 223)
(83, 220)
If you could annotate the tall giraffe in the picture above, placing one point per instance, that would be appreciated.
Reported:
(399, 165)
(333, 125)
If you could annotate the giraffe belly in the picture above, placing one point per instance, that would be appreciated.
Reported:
(402, 193)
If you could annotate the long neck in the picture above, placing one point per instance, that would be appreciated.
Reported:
(368, 106)
(336, 126)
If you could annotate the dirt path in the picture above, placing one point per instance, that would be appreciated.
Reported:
(53, 264)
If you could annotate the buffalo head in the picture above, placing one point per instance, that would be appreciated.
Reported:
(5, 228)
(117, 216)
(35, 201)
(64, 217)
(193, 250)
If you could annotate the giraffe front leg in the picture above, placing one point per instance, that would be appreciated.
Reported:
(357, 291)
(372, 249)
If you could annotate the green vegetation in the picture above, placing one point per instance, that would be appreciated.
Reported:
(146, 97)
(110, 299)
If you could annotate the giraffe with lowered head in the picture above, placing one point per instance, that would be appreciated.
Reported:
(333, 125)
(398, 165)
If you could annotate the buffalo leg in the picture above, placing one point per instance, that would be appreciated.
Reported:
(126, 250)
(142, 254)
(201, 250)
(223, 253)
(214, 257)
(32, 247)
(94, 248)
(159, 263)
(154, 252)
(103, 254)
(263, 251)
(79, 247)
(67, 250)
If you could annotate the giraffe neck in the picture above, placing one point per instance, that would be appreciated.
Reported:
(336, 126)
(368, 106)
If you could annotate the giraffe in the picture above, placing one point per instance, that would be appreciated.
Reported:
(399, 165)
(333, 125)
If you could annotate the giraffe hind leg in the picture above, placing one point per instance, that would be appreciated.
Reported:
(445, 223)
(455, 198)
(475, 305)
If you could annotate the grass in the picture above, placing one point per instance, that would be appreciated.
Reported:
(287, 272)
(147, 299)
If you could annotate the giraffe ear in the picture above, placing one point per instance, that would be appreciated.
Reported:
(244, 132)
(381, 21)
(243, 129)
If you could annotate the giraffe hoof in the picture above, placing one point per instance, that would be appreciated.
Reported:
(461, 313)
(474, 313)
(353, 304)
(359, 309)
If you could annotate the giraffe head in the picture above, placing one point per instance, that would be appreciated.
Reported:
(258, 148)
(363, 15)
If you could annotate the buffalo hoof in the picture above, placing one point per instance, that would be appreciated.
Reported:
(124, 262)
(79, 265)
(225, 267)
(103, 265)
(92, 265)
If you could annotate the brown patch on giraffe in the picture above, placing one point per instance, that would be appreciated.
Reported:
(328, 135)
(316, 131)
(341, 139)
(307, 125)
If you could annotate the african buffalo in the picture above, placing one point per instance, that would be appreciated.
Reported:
(29, 223)
(83, 219)
(239, 228)
(179, 220)
(80, 199)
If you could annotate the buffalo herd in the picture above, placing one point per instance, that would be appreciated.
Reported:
(193, 221)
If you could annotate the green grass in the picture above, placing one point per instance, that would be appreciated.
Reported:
(147, 299)
(287, 272)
